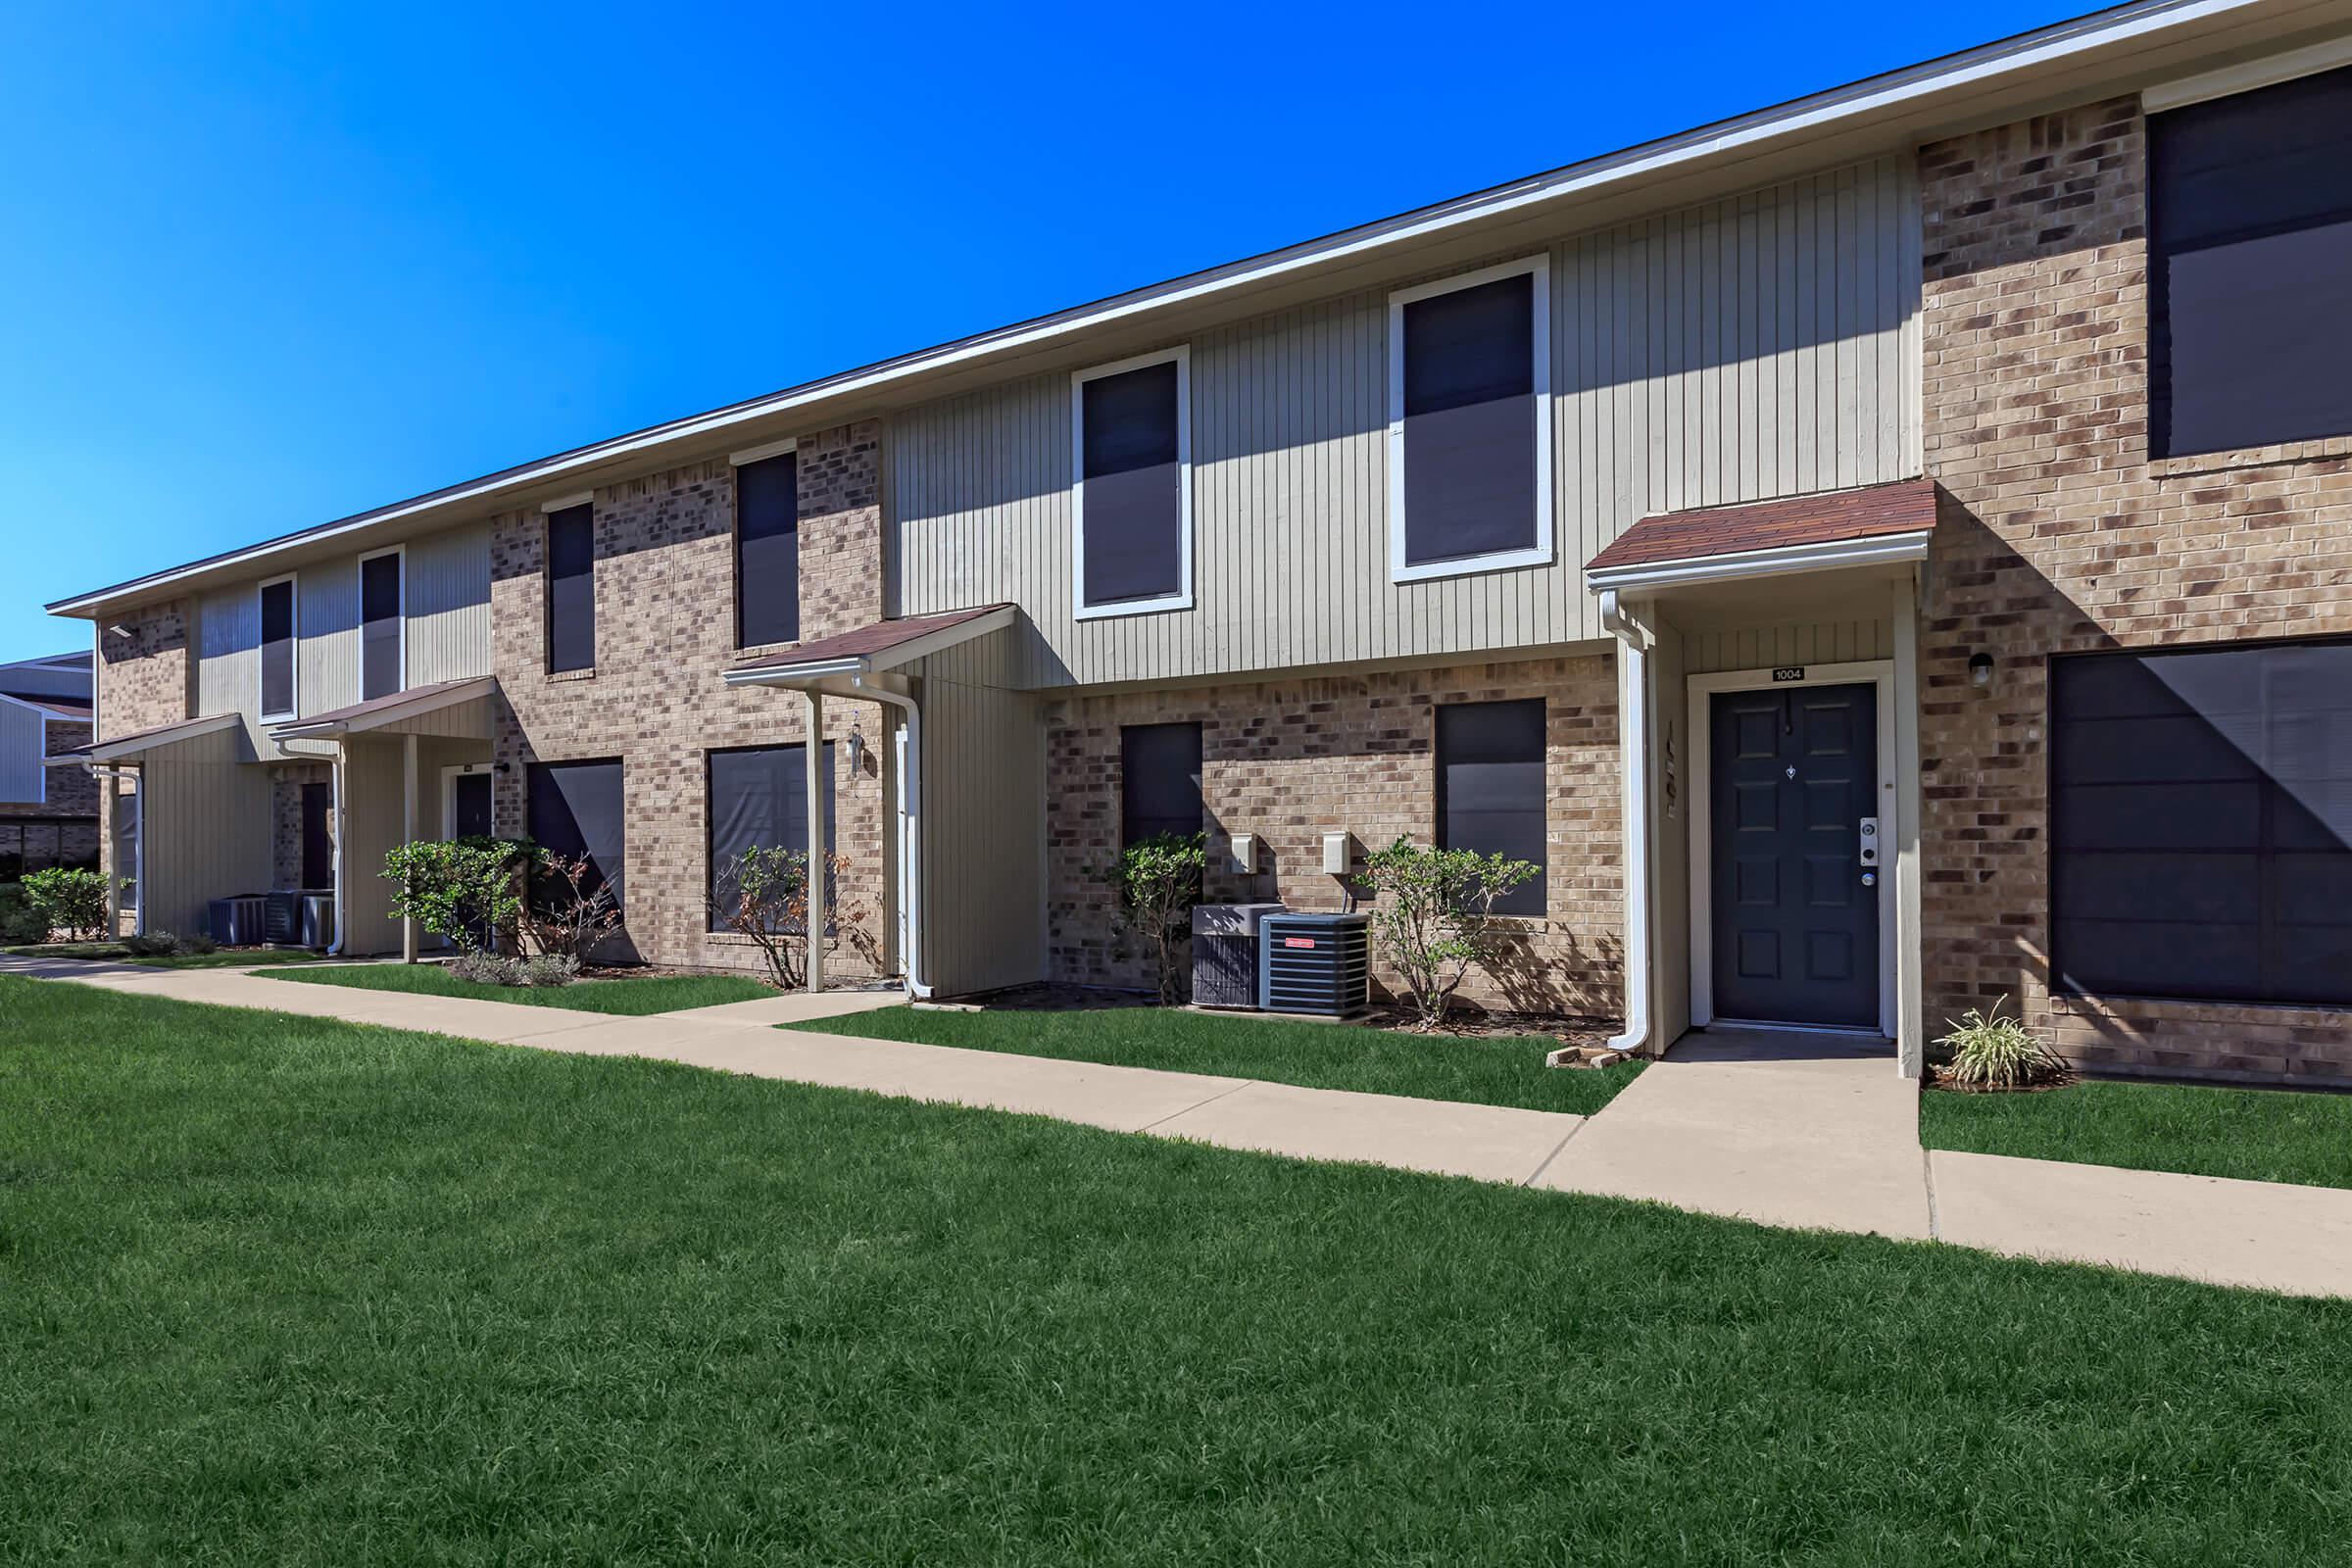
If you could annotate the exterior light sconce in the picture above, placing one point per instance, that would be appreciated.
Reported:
(1979, 672)
(857, 750)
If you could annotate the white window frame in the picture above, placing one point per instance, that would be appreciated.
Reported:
(1181, 356)
(1537, 266)
(358, 590)
(261, 708)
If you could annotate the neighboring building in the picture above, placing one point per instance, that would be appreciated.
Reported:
(1881, 554)
(48, 815)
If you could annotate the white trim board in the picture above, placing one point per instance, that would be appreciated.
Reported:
(1745, 566)
(1181, 356)
(1536, 268)
(1875, 672)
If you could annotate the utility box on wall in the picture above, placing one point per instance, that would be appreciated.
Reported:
(1339, 853)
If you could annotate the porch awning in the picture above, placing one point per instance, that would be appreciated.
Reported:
(870, 650)
(434, 710)
(1876, 525)
(131, 746)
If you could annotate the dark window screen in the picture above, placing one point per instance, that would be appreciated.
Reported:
(759, 797)
(571, 588)
(1491, 790)
(2250, 280)
(576, 809)
(318, 836)
(380, 674)
(2200, 807)
(1470, 421)
(1134, 496)
(277, 649)
(767, 552)
(1159, 781)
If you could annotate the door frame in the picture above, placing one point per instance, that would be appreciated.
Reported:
(1878, 673)
(449, 793)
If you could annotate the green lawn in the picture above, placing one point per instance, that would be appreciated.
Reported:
(284, 1289)
(115, 953)
(666, 993)
(1501, 1071)
(2262, 1135)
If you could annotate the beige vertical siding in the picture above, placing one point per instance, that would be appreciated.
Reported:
(983, 827)
(1800, 642)
(374, 796)
(207, 829)
(1746, 349)
(448, 630)
(449, 605)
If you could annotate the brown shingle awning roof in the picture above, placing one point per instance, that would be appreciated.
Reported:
(879, 645)
(380, 710)
(1884, 511)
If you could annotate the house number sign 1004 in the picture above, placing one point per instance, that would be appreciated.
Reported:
(1789, 673)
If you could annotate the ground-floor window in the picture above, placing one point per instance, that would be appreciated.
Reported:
(2200, 818)
(758, 798)
(1491, 790)
(1159, 781)
(576, 809)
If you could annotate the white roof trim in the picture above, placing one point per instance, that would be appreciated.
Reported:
(148, 741)
(1876, 95)
(1887, 549)
(2253, 74)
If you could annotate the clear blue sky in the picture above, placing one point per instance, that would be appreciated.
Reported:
(262, 268)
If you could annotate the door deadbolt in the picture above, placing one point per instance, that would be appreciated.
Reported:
(1868, 853)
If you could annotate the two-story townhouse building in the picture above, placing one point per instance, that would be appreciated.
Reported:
(48, 815)
(1877, 556)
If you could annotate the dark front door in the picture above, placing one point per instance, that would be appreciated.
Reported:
(1795, 908)
(318, 844)
(469, 805)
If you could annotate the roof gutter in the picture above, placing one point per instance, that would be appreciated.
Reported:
(1742, 135)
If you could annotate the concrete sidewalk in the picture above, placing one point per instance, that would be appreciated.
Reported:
(1775, 1133)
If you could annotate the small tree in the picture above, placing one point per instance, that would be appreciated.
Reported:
(1435, 916)
(571, 909)
(72, 901)
(465, 890)
(1157, 881)
(762, 894)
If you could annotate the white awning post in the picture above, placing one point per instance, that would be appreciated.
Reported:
(815, 923)
(408, 835)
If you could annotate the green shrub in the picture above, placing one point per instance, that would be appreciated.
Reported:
(1157, 881)
(1993, 1052)
(74, 900)
(21, 923)
(1435, 919)
(467, 890)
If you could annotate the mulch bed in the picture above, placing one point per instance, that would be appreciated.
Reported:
(1462, 1023)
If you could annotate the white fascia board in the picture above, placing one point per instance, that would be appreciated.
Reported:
(1650, 576)
(2265, 73)
(1877, 96)
(796, 674)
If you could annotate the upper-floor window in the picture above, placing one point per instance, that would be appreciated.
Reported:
(1131, 502)
(571, 588)
(2250, 267)
(1492, 793)
(1469, 424)
(277, 649)
(768, 547)
(382, 642)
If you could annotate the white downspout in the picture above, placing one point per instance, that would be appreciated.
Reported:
(1633, 739)
(910, 839)
(334, 949)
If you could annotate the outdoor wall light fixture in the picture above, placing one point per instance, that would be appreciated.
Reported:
(1979, 672)
(857, 750)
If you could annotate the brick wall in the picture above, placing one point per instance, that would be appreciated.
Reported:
(1289, 760)
(2058, 535)
(147, 678)
(285, 819)
(664, 634)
